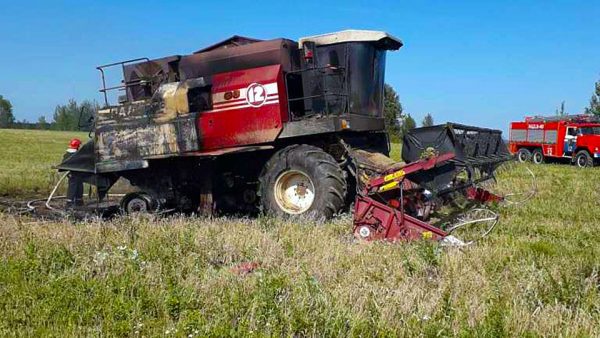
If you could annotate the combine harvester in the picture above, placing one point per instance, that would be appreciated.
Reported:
(289, 128)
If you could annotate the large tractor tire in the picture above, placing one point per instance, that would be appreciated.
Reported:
(523, 155)
(302, 180)
(538, 156)
(583, 159)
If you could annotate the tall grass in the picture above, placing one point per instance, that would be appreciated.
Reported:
(536, 275)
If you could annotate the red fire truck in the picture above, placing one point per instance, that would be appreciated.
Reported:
(575, 138)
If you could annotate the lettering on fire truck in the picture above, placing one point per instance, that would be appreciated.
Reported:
(536, 126)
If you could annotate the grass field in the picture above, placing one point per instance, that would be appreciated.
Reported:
(536, 275)
(26, 158)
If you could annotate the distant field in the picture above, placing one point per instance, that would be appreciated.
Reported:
(26, 158)
(537, 274)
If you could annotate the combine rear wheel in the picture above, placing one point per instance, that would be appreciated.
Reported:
(138, 202)
(523, 155)
(583, 159)
(302, 180)
(538, 156)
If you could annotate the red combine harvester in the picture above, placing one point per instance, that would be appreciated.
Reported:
(289, 128)
(574, 138)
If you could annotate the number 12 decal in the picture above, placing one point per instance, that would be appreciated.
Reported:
(256, 95)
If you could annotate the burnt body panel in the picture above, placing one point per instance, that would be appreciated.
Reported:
(330, 124)
(127, 136)
(360, 66)
(259, 54)
(143, 79)
(84, 160)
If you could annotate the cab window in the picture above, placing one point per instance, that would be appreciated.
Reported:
(571, 131)
(590, 130)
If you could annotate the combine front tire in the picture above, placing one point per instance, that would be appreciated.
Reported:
(302, 180)
(523, 155)
(538, 156)
(583, 159)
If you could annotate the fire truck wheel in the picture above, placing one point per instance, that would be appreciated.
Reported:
(302, 180)
(583, 159)
(523, 155)
(538, 156)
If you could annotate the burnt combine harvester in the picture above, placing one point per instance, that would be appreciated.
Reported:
(292, 128)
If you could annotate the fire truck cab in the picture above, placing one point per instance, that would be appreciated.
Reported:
(573, 138)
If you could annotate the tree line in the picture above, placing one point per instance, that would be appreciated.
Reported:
(71, 116)
(76, 115)
(397, 123)
(592, 109)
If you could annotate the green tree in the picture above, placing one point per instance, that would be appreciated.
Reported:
(6, 115)
(71, 115)
(427, 121)
(42, 123)
(594, 107)
(392, 112)
(560, 111)
(408, 123)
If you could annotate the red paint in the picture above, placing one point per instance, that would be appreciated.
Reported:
(245, 268)
(424, 164)
(388, 221)
(482, 195)
(249, 118)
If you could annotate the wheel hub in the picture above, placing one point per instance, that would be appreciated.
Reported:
(136, 205)
(301, 190)
(294, 192)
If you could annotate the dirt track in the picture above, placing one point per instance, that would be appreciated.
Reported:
(36, 208)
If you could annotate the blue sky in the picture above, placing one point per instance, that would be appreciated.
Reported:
(478, 62)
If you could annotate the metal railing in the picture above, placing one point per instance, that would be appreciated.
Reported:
(323, 73)
(104, 90)
(579, 118)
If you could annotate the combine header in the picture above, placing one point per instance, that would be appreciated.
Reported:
(445, 162)
(283, 127)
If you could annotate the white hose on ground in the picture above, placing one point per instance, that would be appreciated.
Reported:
(491, 218)
(54, 191)
(529, 195)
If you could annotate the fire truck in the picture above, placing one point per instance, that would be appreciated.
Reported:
(572, 138)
